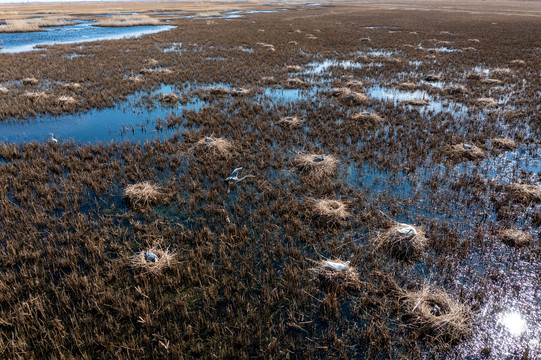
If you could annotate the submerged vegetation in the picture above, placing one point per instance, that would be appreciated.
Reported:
(141, 250)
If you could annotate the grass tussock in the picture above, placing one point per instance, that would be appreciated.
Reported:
(465, 152)
(315, 165)
(368, 119)
(166, 259)
(295, 83)
(144, 193)
(336, 275)
(515, 238)
(504, 143)
(213, 146)
(403, 242)
(349, 97)
(127, 20)
(432, 313)
(525, 193)
(32, 25)
(30, 81)
(330, 212)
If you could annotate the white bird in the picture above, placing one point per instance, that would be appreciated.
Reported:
(407, 230)
(150, 256)
(52, 138)
(337, 265)
(233, 178)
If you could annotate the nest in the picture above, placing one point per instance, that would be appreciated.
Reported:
(217, 91)
(330, 212)
(525, 193)
(152, 63)
(36, 95)
(166, 259)
(518, 62)
(355, 85)
(134, 79)
(436, 316)
(455, 90)
(30, 81)
(402, 241)
(169, 98)
(146, 71)
(336, 275)
(144, 193)
(293, 68)
(72, 86)
(504, 143)
(268, 80)
(269, 47)
(165, 71)
(3, 90)
(368, 119)
(352, 98)
(213, 146)
(486, 102)
(67, 100)
(240, 91)
(465, 151)
(295, 83)
(291, 121)
(473, 76)
(431, 78)
(318, 166)
(407, 86)
(501, 71)
(415, 102)
(515, 238)
(491, 81)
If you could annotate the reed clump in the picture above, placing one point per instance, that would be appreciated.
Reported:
(465, 152)
(504, 143)
(330, 212)
(316, 165)
(141, 261)
(336, 275)
(525, 193)
(144, 193)
(402, 241)
(432, 313)
(515, 238)
(127, 20)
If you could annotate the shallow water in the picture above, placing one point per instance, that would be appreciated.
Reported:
(82, 31)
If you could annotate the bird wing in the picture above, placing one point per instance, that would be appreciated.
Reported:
(235, 172)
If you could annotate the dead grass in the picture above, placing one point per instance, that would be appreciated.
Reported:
(525, 193)
(447, 324)
(144, 193)
(127, 20)
(309, 164)
(19, 25)
(166, 259)
(330, 212)
(515, 238)
(486, 102)
(30, 81)
(336, 275)
(465, 151)
(402, 241)
(350, 98)
(504, 143)
(72, 86)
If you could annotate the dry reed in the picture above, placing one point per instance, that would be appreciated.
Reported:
(127, 20)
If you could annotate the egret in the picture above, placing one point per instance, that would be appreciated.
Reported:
(233, 178)
(318, 159)
(150, 256)
(52, 138)
(209, 139)
(466, 146)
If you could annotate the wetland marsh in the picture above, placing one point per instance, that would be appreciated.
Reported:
(394, 212)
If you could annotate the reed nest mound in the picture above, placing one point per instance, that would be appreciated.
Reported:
(3, 90)
(415, 102)
(336, 275)
(407, 86)
(30, 81)
(293, 68)
(465, 152)
(268, 80)
(486, 102)
(166, 260)
(355, 85)
(217, 147)
(368, 119)
(170, 98)
(66, 100)
(36, 95)
(402, 241)
(515, 238)
(525, 193)
(432, 313)
(351, 98)
(474, 76)
(295, 83)
(152, 63)
(146, 71)
(72, 86)
(143, 193)
(504, 143)
(316, 165)
(134, 79)
(292, 121)
(455, 90)
(431, 77)
(329, 212)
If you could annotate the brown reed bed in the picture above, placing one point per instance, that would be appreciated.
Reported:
(434, 315)
(127, 20)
